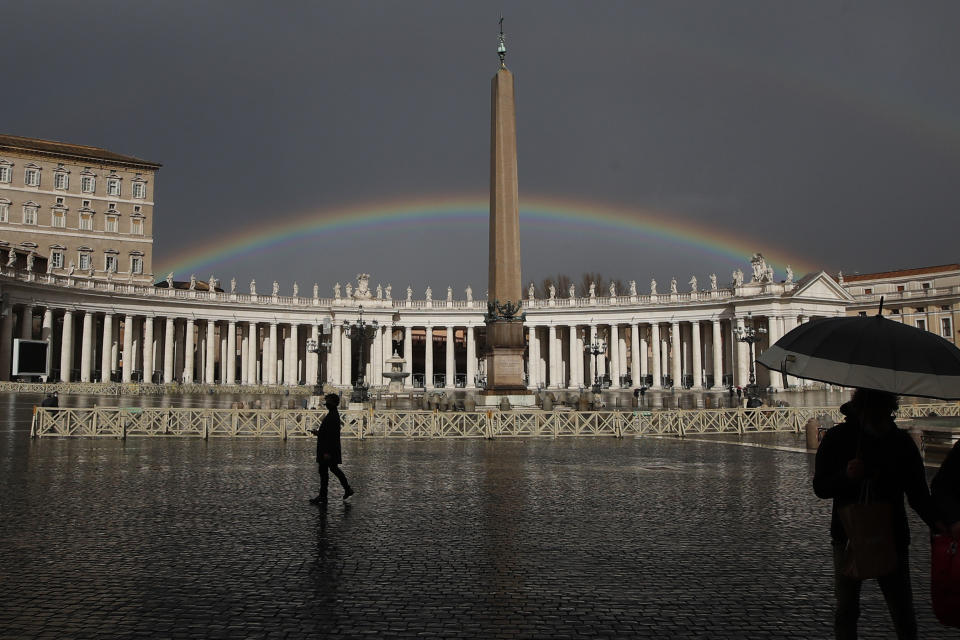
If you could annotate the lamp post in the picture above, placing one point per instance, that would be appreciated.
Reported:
(360, 333)
(598, 348)
(320, 346)
(750, 335)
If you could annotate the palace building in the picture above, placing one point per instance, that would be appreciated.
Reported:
(78, 209)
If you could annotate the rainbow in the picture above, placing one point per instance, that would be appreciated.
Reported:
(583, 216)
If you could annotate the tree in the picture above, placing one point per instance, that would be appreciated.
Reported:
(562, 282)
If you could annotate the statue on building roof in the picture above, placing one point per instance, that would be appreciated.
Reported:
(789, 279)
(363, 286)
(633, 288)
(336, 291)
(169, 278)
(233, 285)
(253, 287)
(11, 257)
(387, 292)
(572, 292)
(193, 282)
(349, 290)
(693, 284)
(531, 292)
(593, 290)
(379, 292)
(296, 289)
(30, 261)
(738, 278)
(768, 274)
(469, 292)
(553, 291)
(673, 285)
(839, 276)
(409, 293)
(759, 266)
(429, 293)
(316, 291)
(653, 287)
(713, 282)
(212, 284)
(449, 294)
(276, 288)
(613, 289)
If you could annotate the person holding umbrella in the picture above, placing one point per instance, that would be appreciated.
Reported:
(866, 465)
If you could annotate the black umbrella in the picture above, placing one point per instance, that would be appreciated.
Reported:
(870, 352)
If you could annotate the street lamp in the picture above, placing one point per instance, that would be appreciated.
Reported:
(360, 333)
(318, 347)
(750, 335)
(598, 348)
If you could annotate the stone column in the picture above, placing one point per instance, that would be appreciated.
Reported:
(270, 355)
(244, 356)
(408, 355)
(252, 344)
(210, 343)
(230, 375)
(115, 347)
(148, 349)
(614, 351)
(533, 357)
(86, 347)
(580, 356)
(789, 324)
(26, 323)
(376, 355)
(717, 354)
(169, 336)
(602, 360)
(553, 371)
(134, 345)
(451, 364)
(335, 356)
(312, 358)
(6, 345)
(573, 380)
(347, 358)
(188, 352)
(46, 333)
(293, 379)
(676, 357)
(105, 352)
(773, 333)
(644, 348)
(428, 359)
(591, 359)
(66, 346)
(743, 358)
(697, 357)
(471, 358)
(635, 355)
(127, 349)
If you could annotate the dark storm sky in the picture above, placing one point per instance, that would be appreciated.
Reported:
(829, 130)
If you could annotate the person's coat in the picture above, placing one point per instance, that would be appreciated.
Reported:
(328, 438)
(946, 487)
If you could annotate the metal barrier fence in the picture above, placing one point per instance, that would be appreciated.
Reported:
(122, 422)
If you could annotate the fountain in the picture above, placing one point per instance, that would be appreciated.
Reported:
(396, 374)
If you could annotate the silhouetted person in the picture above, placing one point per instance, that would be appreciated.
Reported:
(739, 396)
(51, 400)
(328, 450)
(868, 446)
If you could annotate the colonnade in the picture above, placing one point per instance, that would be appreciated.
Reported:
(100, 346)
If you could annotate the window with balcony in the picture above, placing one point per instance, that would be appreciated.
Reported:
(139, 190)
(110, 263)
(29, 214)
(113, 187)
(56, 259)
(86, 222)
(59, 219)
(111, 224)
(946, 327)
(31, 177)
(136, 226)
(61, 180)
(88, 184)
(84, 261)
(5, 211)
(5, 173)
(136, 264)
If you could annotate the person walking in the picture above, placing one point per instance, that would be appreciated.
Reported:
(868, 449)
(328, 450)
(945, 491)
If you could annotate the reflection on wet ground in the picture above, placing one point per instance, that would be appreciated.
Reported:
(639, 537)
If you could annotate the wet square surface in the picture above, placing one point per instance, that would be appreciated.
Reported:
(588, 537)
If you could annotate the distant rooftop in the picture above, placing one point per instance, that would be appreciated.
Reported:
(902, 273)
(67, 150)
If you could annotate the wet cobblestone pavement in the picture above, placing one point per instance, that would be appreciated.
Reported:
(592, 538)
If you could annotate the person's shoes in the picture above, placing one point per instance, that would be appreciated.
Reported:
(347, 495)
(318, 500)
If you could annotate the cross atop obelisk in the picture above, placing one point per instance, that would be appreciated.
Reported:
(504, 321)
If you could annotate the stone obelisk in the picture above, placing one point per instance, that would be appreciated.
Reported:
(505, 342)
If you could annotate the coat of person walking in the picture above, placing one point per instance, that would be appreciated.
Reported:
(945, 490)
(868, 448)
(328, 450)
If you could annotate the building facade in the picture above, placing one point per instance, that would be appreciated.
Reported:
(103, 329)
(926, 297)
(82, 209)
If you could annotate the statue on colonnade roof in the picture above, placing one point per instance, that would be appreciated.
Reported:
(193, 281)
(693, 284)
(363, 286)
(469, 292)
(713, 282)
(387, 291)
(336, 291)
(673, 285)
(233, 285)
(653, 287)
(253, 287)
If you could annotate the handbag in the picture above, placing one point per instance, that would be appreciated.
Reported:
(945, 580)
(870, 551)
